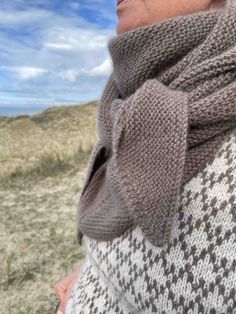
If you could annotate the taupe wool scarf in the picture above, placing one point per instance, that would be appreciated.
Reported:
(165, 110)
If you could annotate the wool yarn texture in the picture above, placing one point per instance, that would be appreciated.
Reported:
(194, 273)
(166, 108)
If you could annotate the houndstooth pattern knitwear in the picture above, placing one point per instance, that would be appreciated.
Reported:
(167, 106)
(194, 273)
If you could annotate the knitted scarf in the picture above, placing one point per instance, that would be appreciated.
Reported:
(165, 110)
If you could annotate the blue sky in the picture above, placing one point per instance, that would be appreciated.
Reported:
(54, 52)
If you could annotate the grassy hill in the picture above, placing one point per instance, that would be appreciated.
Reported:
(57, 138)
(43, 162)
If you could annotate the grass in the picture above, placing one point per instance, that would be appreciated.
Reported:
(48, 165)
(43, 161)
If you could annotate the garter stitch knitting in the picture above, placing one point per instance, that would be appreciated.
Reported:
(167, 106)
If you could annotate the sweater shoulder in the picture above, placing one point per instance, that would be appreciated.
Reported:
(218, 173)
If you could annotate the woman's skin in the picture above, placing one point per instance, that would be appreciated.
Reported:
(134, 14)
(63, 288)
(137, 13)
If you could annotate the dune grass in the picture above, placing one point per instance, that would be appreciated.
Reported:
(43, 161)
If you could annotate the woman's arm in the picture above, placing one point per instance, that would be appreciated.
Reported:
(64, 287)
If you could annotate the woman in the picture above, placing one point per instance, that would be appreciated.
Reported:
(157, 212)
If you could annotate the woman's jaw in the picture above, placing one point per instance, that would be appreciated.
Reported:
(137, 13)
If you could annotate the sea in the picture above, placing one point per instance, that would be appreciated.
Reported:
(16, 111)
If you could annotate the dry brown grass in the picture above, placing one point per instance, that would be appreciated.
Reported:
(42, 168)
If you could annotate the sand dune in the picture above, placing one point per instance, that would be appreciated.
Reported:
(43, 162)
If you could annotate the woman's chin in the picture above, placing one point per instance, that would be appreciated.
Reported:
(125, 25)
(122, 27)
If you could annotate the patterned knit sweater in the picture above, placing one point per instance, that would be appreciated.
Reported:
(194, 273)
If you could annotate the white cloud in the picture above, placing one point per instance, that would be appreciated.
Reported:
(24, 72)
(102, 69)
(27, 73)
(16, 17)
(69, 75)
(76, 39)
(61, 56)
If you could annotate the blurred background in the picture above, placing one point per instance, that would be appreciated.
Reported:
(54, 63)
